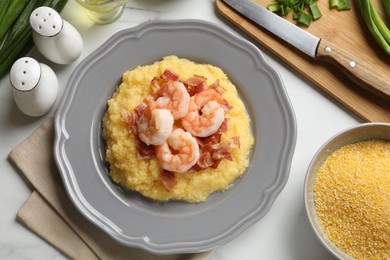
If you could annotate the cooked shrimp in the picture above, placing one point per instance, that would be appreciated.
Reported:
(155, 125)
(175, 97)
(179, 153)
(205, 114)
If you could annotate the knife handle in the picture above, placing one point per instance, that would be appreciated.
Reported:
(357, 70)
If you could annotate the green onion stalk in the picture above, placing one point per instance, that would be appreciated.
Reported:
(386, 5)
(375, 24)
(15, 29)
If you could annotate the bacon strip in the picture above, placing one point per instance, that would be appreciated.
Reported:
(168, 180)
(205, 160)
(195, 84)
(159, 83)
(213, 139)
(202, 86)
(222, 151)
(225, 104)
(225, 126)
(132, 117)
(195, 80)
(156, 84)
(217, 87)
(140, 109)
(216, 163)
(213, 151)
(144, 151)
(170, 75)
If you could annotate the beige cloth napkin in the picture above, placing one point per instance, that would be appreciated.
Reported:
(50, 214)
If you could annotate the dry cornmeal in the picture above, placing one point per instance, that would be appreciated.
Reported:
(352, 199)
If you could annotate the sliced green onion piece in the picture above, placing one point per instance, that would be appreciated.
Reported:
(285, 10)
(305, 19)
(340, 4)
(293, 2)
(273, 7)
(333, 3)
(296, 15)
(344, 5)
(315, 11)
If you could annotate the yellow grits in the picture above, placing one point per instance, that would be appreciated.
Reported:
(144, 175)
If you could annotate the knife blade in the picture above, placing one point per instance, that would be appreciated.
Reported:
(359, 71)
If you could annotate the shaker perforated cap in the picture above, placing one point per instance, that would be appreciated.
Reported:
(46, 21)
(25, 74)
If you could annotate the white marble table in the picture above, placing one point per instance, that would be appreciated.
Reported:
(284, 233)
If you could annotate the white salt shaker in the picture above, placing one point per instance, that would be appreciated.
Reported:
(55, 38)
(35, 86)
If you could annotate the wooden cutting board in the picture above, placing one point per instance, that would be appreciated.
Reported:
(346, 29)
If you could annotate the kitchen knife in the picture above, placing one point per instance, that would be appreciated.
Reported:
(357, 70)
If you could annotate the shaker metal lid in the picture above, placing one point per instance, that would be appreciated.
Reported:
(25, 74)
(46, 21)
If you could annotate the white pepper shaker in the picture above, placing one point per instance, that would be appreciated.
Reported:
(55, 38)
(35, 86)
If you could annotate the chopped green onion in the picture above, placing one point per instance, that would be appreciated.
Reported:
(296, 15)
(345, 5)
(315, 11)
(340, 4)
(274, 7)
(284, 10)
(333, 3)
(305, 19)
(304, 11)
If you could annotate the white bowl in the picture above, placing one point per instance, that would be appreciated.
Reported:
(363, 132)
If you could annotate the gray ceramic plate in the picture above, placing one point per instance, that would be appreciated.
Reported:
(173, 227)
